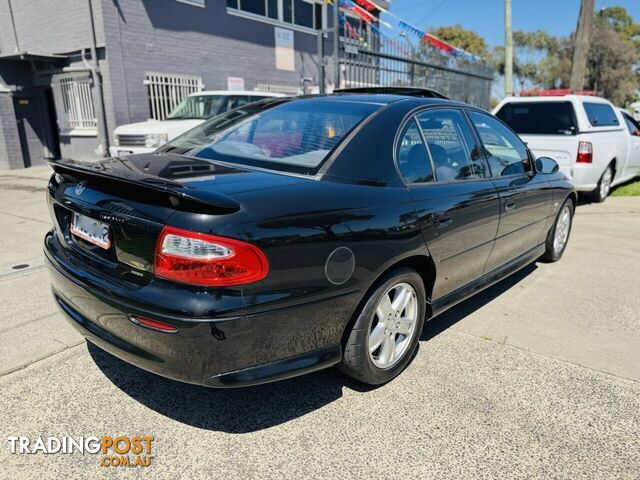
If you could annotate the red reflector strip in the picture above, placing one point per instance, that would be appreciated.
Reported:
(153, 324)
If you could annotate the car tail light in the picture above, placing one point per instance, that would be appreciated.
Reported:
(585, 152)
(207, 260)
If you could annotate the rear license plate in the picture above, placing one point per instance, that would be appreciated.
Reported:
(91, 230)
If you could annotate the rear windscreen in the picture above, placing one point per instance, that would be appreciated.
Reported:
(544, 118)
(292, 136)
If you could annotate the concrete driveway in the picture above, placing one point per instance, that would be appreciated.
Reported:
(537, 377)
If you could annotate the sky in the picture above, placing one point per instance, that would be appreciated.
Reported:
(486, 17)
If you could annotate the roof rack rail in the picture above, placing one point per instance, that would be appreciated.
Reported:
(409, 91)
(560, 92)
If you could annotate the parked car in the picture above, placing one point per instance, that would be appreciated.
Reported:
(294, 234)
(586, 135)
(633, 132)
(145, 137)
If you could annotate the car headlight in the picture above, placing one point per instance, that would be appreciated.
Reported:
(153, 140)
(116, 141)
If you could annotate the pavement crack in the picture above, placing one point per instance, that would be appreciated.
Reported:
(547, 355)
(24, 271)
(40, 359)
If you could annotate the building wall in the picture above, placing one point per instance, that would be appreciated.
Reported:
(53, 27)
(174, 37)
(137, 36)
(10, 153)
(46, 26)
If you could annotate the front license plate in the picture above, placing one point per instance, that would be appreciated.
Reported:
(125, 152)
(91, 230)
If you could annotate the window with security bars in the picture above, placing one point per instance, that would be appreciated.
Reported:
(73, 100)
(165, 91)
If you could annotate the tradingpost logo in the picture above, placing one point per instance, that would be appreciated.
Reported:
(121, 451)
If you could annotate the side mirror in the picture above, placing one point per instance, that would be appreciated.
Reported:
(546, 165)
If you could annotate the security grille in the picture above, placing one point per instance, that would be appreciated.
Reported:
(284, 89)
(131, 140)
(166, 90)
(74, 103)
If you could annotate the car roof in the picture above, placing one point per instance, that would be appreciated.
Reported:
(238, 92)
(555, 98)
(384, 98)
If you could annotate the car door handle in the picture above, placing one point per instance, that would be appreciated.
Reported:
(442, 219)
(510, 206)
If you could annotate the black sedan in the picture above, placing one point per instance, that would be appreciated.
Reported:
(291, 235)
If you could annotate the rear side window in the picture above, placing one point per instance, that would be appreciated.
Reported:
(632, 125)
(451, 145)
(600, 114)
(413, 161)
(539, 118)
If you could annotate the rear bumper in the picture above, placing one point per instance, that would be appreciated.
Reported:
(217, 352)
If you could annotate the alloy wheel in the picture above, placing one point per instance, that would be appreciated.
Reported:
(605, 183)
(563, 225)
(393, 326)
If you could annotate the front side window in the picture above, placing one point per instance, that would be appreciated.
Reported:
(295, 136)
(198, 106)
(539, 118)
(600, 114)
(632, 125)
(413, 160)
(507, 154)
(451, 145)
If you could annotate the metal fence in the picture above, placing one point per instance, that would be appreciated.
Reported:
(368, 58)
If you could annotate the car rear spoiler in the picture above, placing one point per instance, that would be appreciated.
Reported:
(178, 195)
(409, 91)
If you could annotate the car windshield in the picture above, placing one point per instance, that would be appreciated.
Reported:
(197, 107)
(293, 136)
(542, 118)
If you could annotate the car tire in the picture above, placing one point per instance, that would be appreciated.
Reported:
(393, 312)
(603, 189)
(558, 236)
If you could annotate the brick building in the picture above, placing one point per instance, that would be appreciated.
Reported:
(147, 51)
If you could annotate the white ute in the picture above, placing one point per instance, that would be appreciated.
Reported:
(145, 137)
(595, 144)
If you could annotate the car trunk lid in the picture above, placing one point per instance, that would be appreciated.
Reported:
(133, 197)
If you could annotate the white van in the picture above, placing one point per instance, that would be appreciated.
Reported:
(586, 135)
(145, 137)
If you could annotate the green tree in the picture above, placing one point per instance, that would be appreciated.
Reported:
(460, 37)
(622, 23)
(612, 64)
(531, 48)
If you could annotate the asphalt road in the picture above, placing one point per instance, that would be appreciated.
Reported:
(537, 377)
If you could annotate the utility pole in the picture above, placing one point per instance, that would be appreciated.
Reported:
(98, 96)
(336, 42)
(581, 46)
(508, 50)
